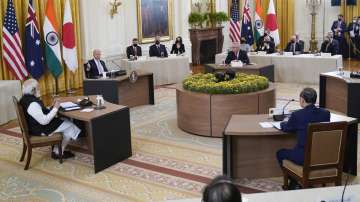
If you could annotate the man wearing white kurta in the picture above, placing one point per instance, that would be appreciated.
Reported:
(43, 121)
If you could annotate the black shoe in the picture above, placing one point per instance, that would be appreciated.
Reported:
(68, 154)
(55, 156)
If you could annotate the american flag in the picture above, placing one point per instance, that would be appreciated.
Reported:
(235, 22)
(12, 49)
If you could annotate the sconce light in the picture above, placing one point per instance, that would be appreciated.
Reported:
(114, 7)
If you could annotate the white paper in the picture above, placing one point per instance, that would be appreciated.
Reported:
(66, 105)
(72, 108)
(276, 124)
(266, 125)
(87, 110)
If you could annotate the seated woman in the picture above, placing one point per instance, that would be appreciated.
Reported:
(178, 47)
(244, 45)
(43, 121)
(221, 189)
(267, 45)
(237, 54)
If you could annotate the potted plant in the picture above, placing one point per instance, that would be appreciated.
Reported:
(210, 19)
(221, 17)
(196, 19)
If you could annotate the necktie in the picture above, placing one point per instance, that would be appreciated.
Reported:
(99, 66)
(135, 51)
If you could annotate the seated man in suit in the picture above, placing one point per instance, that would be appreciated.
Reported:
(95, 67)
(133, 50)
(237, 54)
(298, 123)
(43, 121)
(293, 45)
(301, 42)
(157, 49)
(330, 45)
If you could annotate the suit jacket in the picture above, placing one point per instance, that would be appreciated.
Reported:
(243, 57)
(156, 52)
(261, 41)
(289, 47)
(342, 25)
(355, 28)
(333, 47)
(175, 50)
(130, 51)
(94, 72)
(263, 47)
(299, 121)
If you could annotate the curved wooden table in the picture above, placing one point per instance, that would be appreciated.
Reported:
(206, 114)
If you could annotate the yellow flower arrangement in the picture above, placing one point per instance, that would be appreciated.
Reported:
(242, 83)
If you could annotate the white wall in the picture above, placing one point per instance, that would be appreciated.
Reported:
(112, 36)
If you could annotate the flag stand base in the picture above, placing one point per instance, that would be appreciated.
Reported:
(71, 91)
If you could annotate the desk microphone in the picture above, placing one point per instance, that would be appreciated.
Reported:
(281, 117)
(118, 66)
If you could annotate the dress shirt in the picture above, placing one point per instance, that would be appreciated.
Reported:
(35, 111)
(99, 66)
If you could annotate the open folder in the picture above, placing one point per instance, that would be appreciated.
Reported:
(69, 106)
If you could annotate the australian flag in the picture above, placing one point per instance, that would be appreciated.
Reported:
(33, 51)
(246, 26)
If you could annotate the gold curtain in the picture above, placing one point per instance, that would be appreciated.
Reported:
(350, 11)
(47, 82)
(285, 18)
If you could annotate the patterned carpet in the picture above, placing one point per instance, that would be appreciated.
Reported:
(167, 163)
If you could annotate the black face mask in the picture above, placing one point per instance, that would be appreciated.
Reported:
(135, 44)
(292, 41)
(157, 42)
(339, 19)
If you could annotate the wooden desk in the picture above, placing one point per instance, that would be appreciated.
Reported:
(249, 151)
(107, 131)
(340, 93)
(120, 91)
(261, 70)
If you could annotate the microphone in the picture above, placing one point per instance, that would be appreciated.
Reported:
(281, 117)
(118, 66)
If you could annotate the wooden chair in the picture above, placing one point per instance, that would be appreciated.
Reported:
(324, 156)
(30, 142)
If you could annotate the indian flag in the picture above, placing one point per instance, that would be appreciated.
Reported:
(69, 43)
(259, 24)
(52, 43)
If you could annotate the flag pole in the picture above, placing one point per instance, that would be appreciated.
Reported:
(71, 80)
(56, 93)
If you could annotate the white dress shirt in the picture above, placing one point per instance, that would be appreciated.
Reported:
(35, 111)
(99, 66)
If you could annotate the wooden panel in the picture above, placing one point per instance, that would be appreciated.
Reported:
(255, 157)
(223, 106)
(266, 100)
(134, 94)
(336, 95)
(193, 112)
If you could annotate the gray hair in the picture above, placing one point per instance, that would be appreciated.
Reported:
(29, 87)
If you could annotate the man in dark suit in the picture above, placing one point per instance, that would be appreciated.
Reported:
(262, 38)
(298, 123)
(157, 49)
(237, 54)
(293, 46)
(134, 50)
(339, 28)
(330, 45)
(301, 42)
(95, 67)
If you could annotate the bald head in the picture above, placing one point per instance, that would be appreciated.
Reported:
(97, 54)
